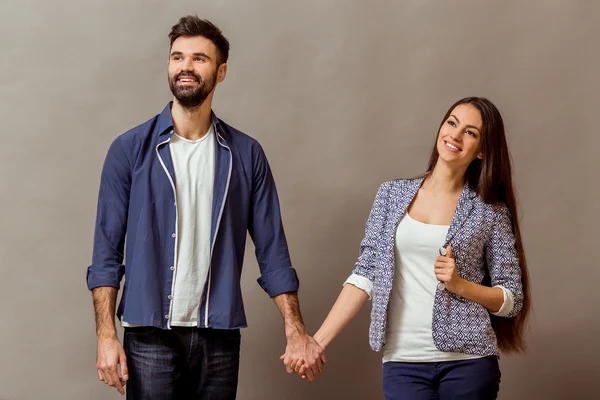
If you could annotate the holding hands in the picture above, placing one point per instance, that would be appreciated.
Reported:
(304, 356)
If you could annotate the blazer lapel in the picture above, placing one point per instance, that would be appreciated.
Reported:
(461, 214)
(402, 198)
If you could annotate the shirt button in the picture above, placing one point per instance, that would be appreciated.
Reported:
(167, 316)
(170, 297)
(173, 235)
(172, 268)
(175, 204)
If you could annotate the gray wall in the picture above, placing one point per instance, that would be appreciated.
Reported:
(343, 95)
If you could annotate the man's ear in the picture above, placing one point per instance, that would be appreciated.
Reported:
(221, 72)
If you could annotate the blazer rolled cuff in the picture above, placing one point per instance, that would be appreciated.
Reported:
(508, 305)
(283, 280)
(360, 282)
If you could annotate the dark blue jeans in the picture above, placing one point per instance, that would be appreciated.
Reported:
(182, 363)
(476, 379)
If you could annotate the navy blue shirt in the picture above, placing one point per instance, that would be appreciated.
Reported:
(137, 212)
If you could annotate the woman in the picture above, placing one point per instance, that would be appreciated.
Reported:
(443, 262)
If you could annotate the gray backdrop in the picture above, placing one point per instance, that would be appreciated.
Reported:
(343, 95)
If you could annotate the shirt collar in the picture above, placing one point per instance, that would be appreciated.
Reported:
(165, 121)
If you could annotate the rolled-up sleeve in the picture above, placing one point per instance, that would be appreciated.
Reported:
(107, 267)
(503, 261)
(508, 303)
(363, 274)
(360, 282)
(266, 230)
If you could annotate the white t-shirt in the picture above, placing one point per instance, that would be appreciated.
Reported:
(194, 165)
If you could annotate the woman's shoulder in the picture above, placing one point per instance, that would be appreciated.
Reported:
(393, 188)
(492, 211)
(401, 183)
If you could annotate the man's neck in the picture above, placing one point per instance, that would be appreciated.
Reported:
(193, 123)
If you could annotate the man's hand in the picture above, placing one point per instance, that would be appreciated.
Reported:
(301, 349)
(111, 354)
(302, 370)
(304, 353)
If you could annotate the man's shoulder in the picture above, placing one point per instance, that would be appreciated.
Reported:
(142, 130)
(134, 138)
(244, 146)
(235, 135)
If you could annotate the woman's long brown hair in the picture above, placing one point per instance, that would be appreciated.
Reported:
(491, 178)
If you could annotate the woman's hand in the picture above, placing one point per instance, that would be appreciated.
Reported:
(446, 272)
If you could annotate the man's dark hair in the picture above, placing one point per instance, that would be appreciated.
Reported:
(191, 25)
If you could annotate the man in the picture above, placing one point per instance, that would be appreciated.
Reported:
(179, 192)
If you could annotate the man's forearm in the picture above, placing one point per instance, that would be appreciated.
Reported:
(290, 311)
(105, 299)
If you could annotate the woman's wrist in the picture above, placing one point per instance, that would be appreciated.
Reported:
(458, 287)
(321, 338)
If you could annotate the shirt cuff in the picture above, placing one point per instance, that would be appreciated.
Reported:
(507, 305)
(103, 276)
(282, 280)
(360, 282)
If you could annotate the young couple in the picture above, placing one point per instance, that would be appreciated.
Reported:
(442, 259)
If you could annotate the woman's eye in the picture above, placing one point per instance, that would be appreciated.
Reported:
(451, 123)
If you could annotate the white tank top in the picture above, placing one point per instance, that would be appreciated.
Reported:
(408, 336)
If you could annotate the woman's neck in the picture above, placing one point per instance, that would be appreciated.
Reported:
(444, 179)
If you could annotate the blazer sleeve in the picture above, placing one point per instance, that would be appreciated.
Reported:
(365, 264)
(502, 257)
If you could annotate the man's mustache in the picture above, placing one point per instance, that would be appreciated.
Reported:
(188, 74)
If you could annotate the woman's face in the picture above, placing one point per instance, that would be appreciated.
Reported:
(459, 139)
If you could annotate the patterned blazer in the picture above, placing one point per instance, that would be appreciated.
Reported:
(483, 246)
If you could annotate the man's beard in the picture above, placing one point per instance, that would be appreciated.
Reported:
(188, 96)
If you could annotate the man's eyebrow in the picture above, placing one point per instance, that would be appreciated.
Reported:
(198, 54)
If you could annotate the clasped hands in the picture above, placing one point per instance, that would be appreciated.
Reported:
(304, 356)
